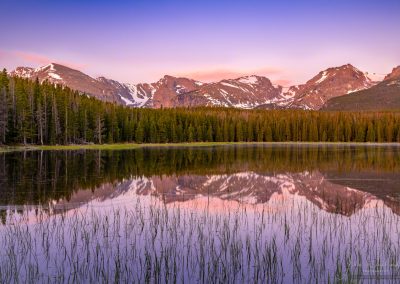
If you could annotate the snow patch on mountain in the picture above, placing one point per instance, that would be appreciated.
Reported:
(54, 76)
(126, 101)
(179, 89)
(23, 72)
(229, 85)
(42, 68)
(139, 96)
(324, 75)
(249, 80)
(355, 90)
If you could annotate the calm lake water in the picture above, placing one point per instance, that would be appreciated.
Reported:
(232, 214)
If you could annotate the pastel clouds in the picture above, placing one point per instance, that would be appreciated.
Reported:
(283, 82)
(35, 59)
(213, 75)
(32, 57)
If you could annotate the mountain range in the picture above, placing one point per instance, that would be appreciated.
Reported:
(330, 191)
(338, 88)
(384, 95)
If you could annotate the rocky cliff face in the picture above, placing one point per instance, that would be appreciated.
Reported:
(394, 75)
(328, 84)
(382, 96)
(168, 88)
(245, 92)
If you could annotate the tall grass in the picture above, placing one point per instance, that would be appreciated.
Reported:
(147, 241)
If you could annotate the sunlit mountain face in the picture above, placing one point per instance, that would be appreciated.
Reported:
(246, 92)
(337, 179)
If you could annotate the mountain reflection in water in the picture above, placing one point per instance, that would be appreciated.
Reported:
(232, 214)
(337, 179)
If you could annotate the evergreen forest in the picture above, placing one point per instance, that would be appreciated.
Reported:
(45, 114)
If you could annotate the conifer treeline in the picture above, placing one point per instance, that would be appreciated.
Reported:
(41, 176)
(34, 113)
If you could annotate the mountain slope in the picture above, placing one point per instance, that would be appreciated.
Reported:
(169, 91)
(394, 75)
(328, 84)
(245, 92)
(103, 89)
(162, 93)
(168, 88)
(383, 96)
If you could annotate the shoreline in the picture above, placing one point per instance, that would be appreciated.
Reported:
(130, 146)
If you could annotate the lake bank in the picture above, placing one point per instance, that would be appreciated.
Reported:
(129, 146)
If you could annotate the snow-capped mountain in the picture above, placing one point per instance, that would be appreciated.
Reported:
(256, 188)
(384, 95)
(101, 88)
(245, 187)
(328, 84)
(259, 92)
(244, 92)
(164, 92)
(23, 72)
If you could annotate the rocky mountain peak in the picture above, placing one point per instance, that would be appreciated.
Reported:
(168, 78)
(330, 83)
(394, 75)
(23, 72)
(250, 91)
(345, 72)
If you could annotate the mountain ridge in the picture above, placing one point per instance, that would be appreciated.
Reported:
(383, 96)
(247, 92)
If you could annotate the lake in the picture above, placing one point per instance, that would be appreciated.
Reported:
(233, 214)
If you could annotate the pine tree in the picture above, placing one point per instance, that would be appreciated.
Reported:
(360, 133)
(191, 136)
(139, 135)
(4, 82)
(3, 115)
(55, 126)
(209, 135)
(239, 132)
(41, 113)
(313, 131)
(304, 131)
(398, 134)
(288, 134)
(370, 133)
(99, 129)
(268, 134)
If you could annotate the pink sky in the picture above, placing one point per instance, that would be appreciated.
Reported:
(134, 41)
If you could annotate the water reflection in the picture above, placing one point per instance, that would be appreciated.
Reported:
(265, 214)
(338, 179)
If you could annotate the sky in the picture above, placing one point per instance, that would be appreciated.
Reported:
(141, 41)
